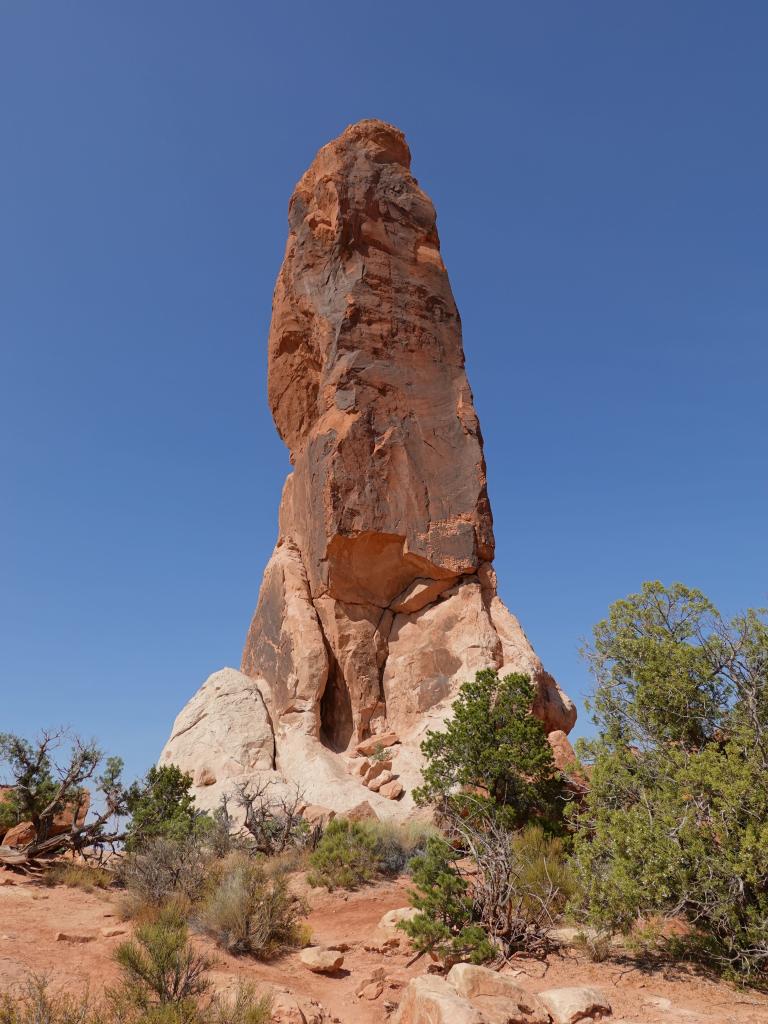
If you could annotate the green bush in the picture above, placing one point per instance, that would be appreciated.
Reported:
(248, 911)
(395, 846)
(345, 857)
(493, 756)
(503, 898)
(163, 869)
(380, 753)
(160, 966)
(676, 818)
(445, 926)
(543, 880)
(244, 1007)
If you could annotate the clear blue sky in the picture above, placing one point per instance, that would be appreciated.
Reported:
(600, 172)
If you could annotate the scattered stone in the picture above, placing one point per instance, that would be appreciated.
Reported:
(372, 986)
(321, 960)
(569, 1005)
(431, 1000)
(392, 790)
(392, 918)
(376, 769)
(381, 780)
(493, 993)
(23, 833)
(371, 991)
(385, 947)
(316, 814)
(373, 743)
(285, 1008)
(660, 1002)
(361, 812)
(74, 938)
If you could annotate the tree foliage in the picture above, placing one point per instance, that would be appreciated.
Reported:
(445, 926)
(493, 754)
(162, 806)
(676, 818)
(497, 882)
(46, 783)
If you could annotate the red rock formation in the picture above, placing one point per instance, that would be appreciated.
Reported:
(379, 599)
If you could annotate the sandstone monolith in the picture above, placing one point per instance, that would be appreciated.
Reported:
(379, 599)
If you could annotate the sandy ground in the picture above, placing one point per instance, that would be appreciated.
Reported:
(32, 916)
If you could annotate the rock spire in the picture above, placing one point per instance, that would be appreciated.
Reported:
(379, 599)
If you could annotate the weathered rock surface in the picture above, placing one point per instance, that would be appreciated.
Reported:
(433, 1000)
(570, 1005)
(392, 918)
(488, 990)
(321, 960)
(470, 995)
(379, 599)
(224, 734)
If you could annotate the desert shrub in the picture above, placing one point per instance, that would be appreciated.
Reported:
(380, 753)
(489, 891)
(160, 966)
(162, 807)
(34, 1003)
(248, 911)
(395, 845)
(595, 946)
(78, 876)
(287, 863)
(493, 756)
(446, 926)
(540, 876)
(162, 869)
(675, 822)
(243, 1007)
(351, 854)
(272, 818)
(345, 857)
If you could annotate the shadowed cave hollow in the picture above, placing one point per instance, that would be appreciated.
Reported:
(336, 723)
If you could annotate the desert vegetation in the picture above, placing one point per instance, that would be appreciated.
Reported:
(670, 827)
(352, 853)
(675, 822)
(498, 877)
(164, 982)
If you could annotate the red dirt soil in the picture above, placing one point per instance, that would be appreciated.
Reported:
(32, 915)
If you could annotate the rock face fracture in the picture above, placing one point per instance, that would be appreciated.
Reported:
(379, 599)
